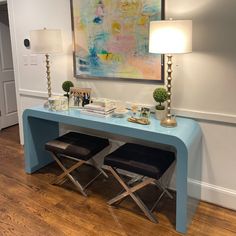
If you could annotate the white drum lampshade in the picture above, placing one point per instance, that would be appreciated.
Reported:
(170, 37)
(46, 41)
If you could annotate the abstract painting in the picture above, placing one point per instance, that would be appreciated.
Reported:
(111, 38)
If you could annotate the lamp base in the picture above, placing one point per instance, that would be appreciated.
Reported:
(169, 122)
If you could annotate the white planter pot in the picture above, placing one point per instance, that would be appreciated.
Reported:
(160, 114)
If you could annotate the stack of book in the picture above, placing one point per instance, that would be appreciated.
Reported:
(99, 108)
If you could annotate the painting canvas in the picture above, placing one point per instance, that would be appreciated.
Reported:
(111, 38)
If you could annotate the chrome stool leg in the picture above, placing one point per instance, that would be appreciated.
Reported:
(130, 183)
(102, 172)
(161, 186)
(95, 165)
(130, 191)
(66, 173)
(158, 200)
(144, 208)
(61, 178)
(91, 181)
(78, 185)
(164, 191)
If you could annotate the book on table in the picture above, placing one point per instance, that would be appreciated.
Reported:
(98, 114)
(100, 110)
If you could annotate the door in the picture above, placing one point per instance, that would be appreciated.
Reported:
(8, 107)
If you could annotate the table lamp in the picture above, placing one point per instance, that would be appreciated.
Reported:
(46, 41)
(170, 37)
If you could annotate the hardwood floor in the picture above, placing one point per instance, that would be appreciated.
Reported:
(29, 205)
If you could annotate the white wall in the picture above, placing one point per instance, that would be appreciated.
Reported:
(27, 15)
(204, 81)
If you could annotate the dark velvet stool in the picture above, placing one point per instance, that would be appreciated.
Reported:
(81, 148)
(149, 163)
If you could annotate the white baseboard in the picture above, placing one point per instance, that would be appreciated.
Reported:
(215, 194)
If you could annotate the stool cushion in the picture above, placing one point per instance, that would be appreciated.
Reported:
(150, 162)
(80, 146)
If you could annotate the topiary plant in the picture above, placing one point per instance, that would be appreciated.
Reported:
(66, 87)
(160, 95)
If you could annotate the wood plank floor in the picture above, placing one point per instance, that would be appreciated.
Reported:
(29, 205)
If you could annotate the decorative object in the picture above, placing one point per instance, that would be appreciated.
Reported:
(145, 112)
(46, 41)
(111, 39)
(120, 112)
(160, 95)
(141, 121)
(104, 102)
(58, 103)
(99, 109)
(170, 37)
(66, 87)
(134, 110)
(79, 96)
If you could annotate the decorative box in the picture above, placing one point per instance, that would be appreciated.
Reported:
(58, 103)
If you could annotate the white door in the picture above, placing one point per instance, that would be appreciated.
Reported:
(8, 107)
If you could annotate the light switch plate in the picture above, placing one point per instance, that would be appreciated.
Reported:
(25, 60)
(33, 60)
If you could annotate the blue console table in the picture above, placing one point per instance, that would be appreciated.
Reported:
(41, 125)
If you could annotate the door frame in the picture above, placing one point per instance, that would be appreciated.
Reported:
(14, 61)
(1, 3)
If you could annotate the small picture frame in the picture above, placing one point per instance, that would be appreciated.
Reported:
(145, 112)
(79, 97)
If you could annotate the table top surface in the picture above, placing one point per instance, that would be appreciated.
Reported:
(184, 130)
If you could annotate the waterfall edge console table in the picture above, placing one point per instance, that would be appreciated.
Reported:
(41, 125)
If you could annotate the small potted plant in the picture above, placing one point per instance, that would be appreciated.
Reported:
(66, 87)
(160, 95)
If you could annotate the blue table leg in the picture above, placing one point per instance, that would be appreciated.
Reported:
(188, 168)
(36, 133)
(181, 188)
